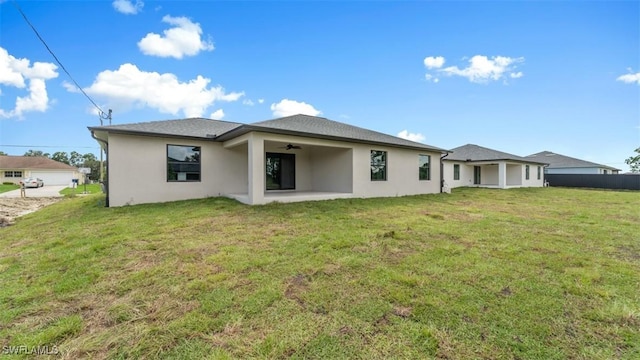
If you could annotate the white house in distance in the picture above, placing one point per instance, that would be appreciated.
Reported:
(14, 168)
(561, 164)
(295, 158)
(473, 165)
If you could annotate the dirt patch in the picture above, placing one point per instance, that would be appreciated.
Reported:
(12, 208)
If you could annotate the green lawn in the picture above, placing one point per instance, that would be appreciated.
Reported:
(7, 187)
(90, 188)
(545, 273)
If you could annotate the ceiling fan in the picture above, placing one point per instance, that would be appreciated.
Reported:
(290, 146)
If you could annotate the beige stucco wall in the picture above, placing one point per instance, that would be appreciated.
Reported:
(138, 165)
(138, 170)
(402, 173)
(515, 175)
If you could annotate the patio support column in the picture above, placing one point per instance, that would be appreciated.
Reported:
(502, 175)
(256, 169)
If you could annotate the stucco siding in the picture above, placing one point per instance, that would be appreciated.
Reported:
(138, 171)
(515, 174)
(332, 170)
(585, 170)
(466, 174)
(138, 168)
(402, 173)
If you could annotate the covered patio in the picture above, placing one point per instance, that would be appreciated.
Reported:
(283, 168)
(499, 175)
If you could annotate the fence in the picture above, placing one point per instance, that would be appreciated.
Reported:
(600, 181)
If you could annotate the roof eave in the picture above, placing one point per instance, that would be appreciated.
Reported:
(147, 133)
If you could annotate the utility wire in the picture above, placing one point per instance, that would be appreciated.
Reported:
(55, 57)
(51, 146)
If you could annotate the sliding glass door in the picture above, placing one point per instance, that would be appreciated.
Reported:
(281, 171)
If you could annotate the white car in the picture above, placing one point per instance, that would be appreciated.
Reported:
(32, 182)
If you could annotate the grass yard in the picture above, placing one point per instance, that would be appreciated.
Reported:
(8, 187)
(545, 273)
(91, 189)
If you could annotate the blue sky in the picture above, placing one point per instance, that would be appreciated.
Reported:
(519, 77)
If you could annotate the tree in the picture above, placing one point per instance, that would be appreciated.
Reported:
(36, 153)
(60, 156)
(89, 157)
(2, 153)
(76, 159)
(634, 162)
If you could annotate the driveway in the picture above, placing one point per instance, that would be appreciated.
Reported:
(45, 191)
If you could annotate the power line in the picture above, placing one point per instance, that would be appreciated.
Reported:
(56, 58)
(51, 146)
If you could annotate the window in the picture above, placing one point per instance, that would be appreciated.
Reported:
(605, 172)
(281, 171)
(425, 167)
(456, 171)
(16, 174)
(526, 172)
(539, 172)
(183, 163)
(378, 165)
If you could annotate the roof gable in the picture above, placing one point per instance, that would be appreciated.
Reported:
(322, 127)
(32, 162)
(561, 161)
(472, 152)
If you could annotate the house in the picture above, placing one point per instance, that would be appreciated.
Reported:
(14, 168)
(561, 164)
(473, 165)
(294, 158)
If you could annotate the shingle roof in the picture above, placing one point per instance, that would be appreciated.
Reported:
(561, 161)
(192, 127)
(471, 152)
(319, 127)
(301, 125)
(32, 162)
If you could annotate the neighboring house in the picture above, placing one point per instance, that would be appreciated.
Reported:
(295, 158)
(473, 165)
(14, 168)
(561, 164)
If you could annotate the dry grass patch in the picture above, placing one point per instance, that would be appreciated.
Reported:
(527, 273)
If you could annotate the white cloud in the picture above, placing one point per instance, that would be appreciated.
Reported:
(247, 102)
(481, 69)
(184, 39)
(630, 78)
(260, 101)
(417, 137)
(432, 78)
(127, 6)
(218, 114)
(434, 62)
(13, 72)
(128, 86)
(288, 107)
